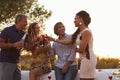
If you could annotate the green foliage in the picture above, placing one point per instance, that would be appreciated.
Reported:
(25, 62)
(39, 14)
(52, 63)
(103, 63)
(10, 8)
(108, 63)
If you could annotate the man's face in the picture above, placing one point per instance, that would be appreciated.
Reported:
(23, 23)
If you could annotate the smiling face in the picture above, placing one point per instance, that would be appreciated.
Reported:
(37, 29)
(59, 29)
(23, 23)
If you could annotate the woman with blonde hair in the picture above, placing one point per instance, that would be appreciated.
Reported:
(38, 46)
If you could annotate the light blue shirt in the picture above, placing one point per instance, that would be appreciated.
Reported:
(65, 53)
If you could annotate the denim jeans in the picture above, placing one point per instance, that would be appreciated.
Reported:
(70, 74)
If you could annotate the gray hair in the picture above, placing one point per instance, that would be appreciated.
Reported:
(19, 17)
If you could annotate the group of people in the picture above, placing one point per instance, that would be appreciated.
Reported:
(65, 47)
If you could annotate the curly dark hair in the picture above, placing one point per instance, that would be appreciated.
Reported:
(86, 18)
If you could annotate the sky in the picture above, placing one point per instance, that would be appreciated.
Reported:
(105, 24)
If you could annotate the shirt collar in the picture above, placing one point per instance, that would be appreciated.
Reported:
(63, 37)
(14, 27)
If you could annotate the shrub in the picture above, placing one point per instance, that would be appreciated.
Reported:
(102, 63)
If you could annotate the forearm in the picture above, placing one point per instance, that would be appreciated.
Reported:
(63, 41)
(28, 46)
(51, 54)
(69, 63)
(6, 45)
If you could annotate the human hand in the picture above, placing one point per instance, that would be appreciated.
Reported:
(65, 69)
(42, 40)
(18, 45)
(51, 38)
(39, 40)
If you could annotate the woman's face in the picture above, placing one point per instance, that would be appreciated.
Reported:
(37, 29)
(77, 21)
(60, 29)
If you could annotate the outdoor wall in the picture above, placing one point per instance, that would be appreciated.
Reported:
(102, 74)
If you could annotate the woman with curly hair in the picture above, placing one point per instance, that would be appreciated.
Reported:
(38, 46)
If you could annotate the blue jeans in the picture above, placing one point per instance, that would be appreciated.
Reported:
(70, 74)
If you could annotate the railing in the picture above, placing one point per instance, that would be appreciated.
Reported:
(102, 74)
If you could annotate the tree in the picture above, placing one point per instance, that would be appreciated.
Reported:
(9, 9)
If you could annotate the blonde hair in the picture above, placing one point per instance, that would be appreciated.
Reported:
(56, 27)
(31, 32)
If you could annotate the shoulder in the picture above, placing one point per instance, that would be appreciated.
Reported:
(5, 30)
(8, 28)
(68, 35)
(87, 33)
(4, 33)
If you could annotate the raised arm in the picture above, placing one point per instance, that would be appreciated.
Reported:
(68, 41)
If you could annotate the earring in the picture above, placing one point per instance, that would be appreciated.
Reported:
(80, 23)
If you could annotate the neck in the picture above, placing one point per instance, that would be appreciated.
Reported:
(61, 36)
(17, 27)
(82, 27)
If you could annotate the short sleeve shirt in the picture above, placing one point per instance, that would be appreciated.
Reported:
(10, 35)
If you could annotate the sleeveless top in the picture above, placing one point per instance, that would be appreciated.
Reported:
(88, 61)
(89, 45)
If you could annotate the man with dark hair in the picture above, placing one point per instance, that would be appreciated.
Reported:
(10, 45)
